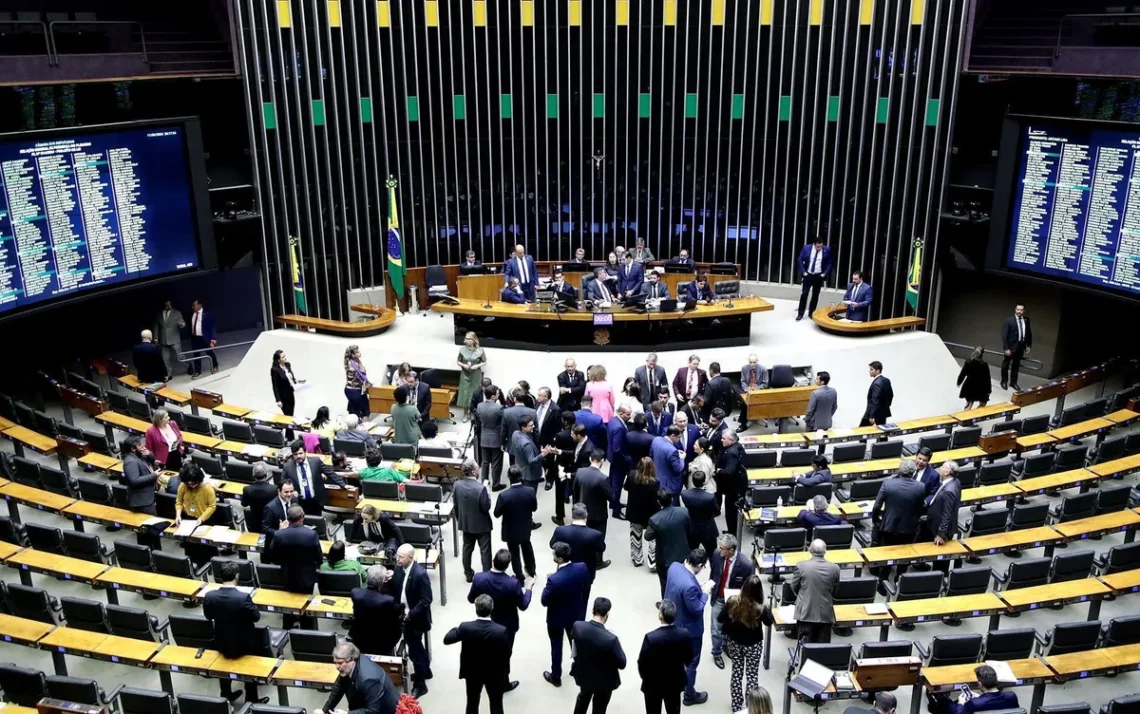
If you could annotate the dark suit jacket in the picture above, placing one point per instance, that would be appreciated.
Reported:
(256, 497)
(693, 293)
(271, 516)
(423, 401)
(234, 615)
(368, 688)
(658, 290)
(669, 463)
(806, 259)
(720, 393)
(419, 597)
(526, 455)
(586, 544)
(281, 383)
(742, 569)
(510, 296)
(942, 513)
(655, 426)
(637, 445)
(670, 528)
(595, 427)
(551, 424)
(318, 472)
(297, 549)
(702, 514)
(649, 384)
(990, 701)
(880, 395)
(809, 519)
(565, 593)
(814, 478)
(376, 627)
(597, 657)
(689, 438)
(665, 652)
(512, 416)
(866, 295)
(139, 479)
(592, 488)
(508, 594)
(899, 505)
(486, 653)
(1009, 339)
(472, 506)
(731, 474)
(576, 383)
(147, 357)
(390, 536)
(630, 277)
(616, 452)
(515, 506)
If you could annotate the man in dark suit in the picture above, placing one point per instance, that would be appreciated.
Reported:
(991, 697)
(597, 658)
(670, 528)
(653, 288)
(638, 441)
(485, 658)
(414, 588)
(579, 257)
(690, 596)
(942, 509)
(858, 298)
(885, 703)
(297, 549)
(308, 474)
(593, 490)
(665, 652)
(571, 387)
(698, 291)
(658, 418)
(513, 416)
(880, 395)
(233, 614)
(369, 689)
(720, 393)
(702, 513)
(689, 433)
(683, 259)
(274, 518)
(147, 357)
(512, 293)
(376, 626)
(595, 427)
(257, 495)
(489, 416)
(521, 266)
(564, 597)
(815, 264)
(559, 285)
(547, 421)
(1016, 343)
(668, 460)
(731, 478)
(586, 544)
(616, 453)
(896, 512)
(419, 394)
(469, 261)
(820, 472)
(473, 516)
(729, 571)
(603, 289)
(508, 594)
(650, 378)
(515, 507)
(817, 515)
(570, 442)
(527, 456)
(926, 473)
(630, 276)
(715, 431)
(202, 338)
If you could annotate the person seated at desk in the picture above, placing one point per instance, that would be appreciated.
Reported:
(353, 432)
(685, 260)
(820, 473)
(324, 425)
(598, 291)
(579, 257)
(469, 261)
(700, 290)
(991, 697)
(818, 515)
(612, 263)
(630, 276)
(429, 437)
(559, 285)
(641, 252)
(375, 472)
(338, 563)
(858, 298)
(147, 357)
(653, 288)
(513, 293)
(373, 525)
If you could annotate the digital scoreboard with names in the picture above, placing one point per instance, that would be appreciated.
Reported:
(1075, 212)
(86, 210)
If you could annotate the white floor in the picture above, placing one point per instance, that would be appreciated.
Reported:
(923, 374)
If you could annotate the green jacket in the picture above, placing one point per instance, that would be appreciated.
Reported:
(349, 565)
(406, 422)
(381, 473)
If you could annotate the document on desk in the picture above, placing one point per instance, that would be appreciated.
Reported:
(875, 608)
(786, 613)
(218, 534)
(1003, 671)
(352, 552)
(256, 450)
(155, 521)
(186, 529)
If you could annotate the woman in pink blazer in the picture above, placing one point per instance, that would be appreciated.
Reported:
(164, 440)
(601, 392)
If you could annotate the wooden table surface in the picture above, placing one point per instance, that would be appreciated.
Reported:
(857, 616)
(182, 659)
(122, 421)
(1028, 538)
(274, 600)
(924, 424)
(1093, 524)
(68, 568)
(167, 585)
(1117, 466)
(1123, 655)
(21, 630)
(110, 514)
(741, 306)
(843, 557)
(1127, 581)
(987, 412)
(935, 608)
(1080, 429)
(1122, 416)
(774, 439)
(100, 462)
(1040, 595)
(230, 410)
(205, 442)
(32, 439)
(73, 639)
(420, 508)
(299, 674)
(6, 423)
(7, 550)
(1032, 441)
(948, 550)
(955, 674)
(127, 649)
(45, 500)
(125, 577)
(1080, 663)
(857, 432)
(173, 396)
(986, 494)
(342, 606)
(889, 553)
(1057, 481)
(248, 666)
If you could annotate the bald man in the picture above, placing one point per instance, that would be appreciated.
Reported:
(521, 266)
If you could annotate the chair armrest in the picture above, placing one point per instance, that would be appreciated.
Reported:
(1042, 641)
(999, 578)
(200, 571)
(1055, 512)
(54, 604)
(922, 651)
(892, 590)
(112, 698)
(842, 496)
(964, 527)
(106, 552)
(334, 529)
(864, 537)
(245, 708)
(162, 629)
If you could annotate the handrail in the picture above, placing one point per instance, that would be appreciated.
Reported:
(183, 353)
(47, 40)
(142, 33)
(1061, 25)
(999, 353)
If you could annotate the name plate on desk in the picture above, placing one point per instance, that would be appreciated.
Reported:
(603, 319)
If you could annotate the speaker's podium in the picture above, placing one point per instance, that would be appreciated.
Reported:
(778, 403)
(381, 399)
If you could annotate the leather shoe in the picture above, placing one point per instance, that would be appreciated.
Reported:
(548, 486)
(701, 698)
(1016, 387)
(1005, 385)
(470, 576)
(556, 681)
(603, 564)
(498, 487)
(511, 686)
(742, 428)
(799, 317)
(419, 691)
(619, 516)
(718, 661)
(557, 521)
(535, 526)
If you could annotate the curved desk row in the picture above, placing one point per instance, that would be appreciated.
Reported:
(829, 319)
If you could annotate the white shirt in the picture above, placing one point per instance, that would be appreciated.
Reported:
(816, 255)
(196, 324)
(404, 586)
(524, 276)
(542, 410)
(303, 479)
(692, 383)
(1020, 330)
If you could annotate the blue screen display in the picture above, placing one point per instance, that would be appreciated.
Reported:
(85, 211)
(1076, 211)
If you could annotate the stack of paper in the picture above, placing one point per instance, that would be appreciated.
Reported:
(876, 608)
(218, 534)
(155, 521)
(186, 528)
(1003, 671)
(786, 613)
(256, 450)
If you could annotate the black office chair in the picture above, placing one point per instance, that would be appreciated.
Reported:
(320, 525)
(1011, 425)
(44, 423)
(1095, 407)
(387, 490)
(782, 540)
(166, 505)
(726, 289)
(137, 624)
(951, 649)
(434, 452)
(1072, 508)
(56, 481)
(390, 451)
(118, 402)
(350, 447)
(1023, 574)
(964, 436)
(27, 472)
(1072, 566)
(200, 425)
(915, 586)
(271, 577)
(781, 377)
(891, 648)
(1071, 415)
(192, 631)
(1071, 456)
(986, 522)
(1074, 708)
(1035, 424)
(1111, 499)
(8, 408)
(22, 685)
(1109, 450)
(25, 416)
(1028, 515)
(763, 496)
(178, 566)
(238, 470)
(312, 645)
(855, 591)
(228, 514)
(889, 449)
(269, 436)
(337, 583)
(417, 535)
(246, 577)
(133, 556)
(934, 442)
(237, 431)
(1132, 444)
(860, 490)
(84, 614)
(996, 473)
(760, 458)
(969, 580)
(804, 494)
(436, 280)
(845, 453)
(145, 701)
(423, 492)
(138, 409)
(1119, 558)
(968, 476)
(94, 491)
(1010, 644)
(76, 689)
(836, 537)
(11, 532)
(1123, 630)
(72, 432)
(101, 443)
(1036, 465)
(212, 465)
(832, 656)
(201, 704)
(269, 641)
(1122, 705)
(178, 417)
(32, 603)
(1068, 637)
(324, 444)
(49, 539)
(86, 546)
(796, 457)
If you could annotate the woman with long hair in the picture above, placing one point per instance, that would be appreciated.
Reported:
(601, 392)
(400, 375)
(471, 361)
(742, 623)
(759, 701)
(356, 383)
(324, 425)
(164, 440)
(281, 374)
(340, 564)
(641, 483)
(630, 397)
(974, 379)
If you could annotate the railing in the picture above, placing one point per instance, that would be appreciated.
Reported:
(51, 33)
(1026, 362)
(1092, 15)
(43, 27)
(182, 354)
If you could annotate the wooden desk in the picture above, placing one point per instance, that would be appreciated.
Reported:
(6, 424)
(1035, 441)
(1127, 581)
(59, 566)
(340, 609)
(989, 494)
(128, 424)
(244, 669)
(1080, 430)
(21, 631)
(485, 288)
(385, 318)
(34, 498)
(846, 558)
(279, 421)
(131, 382)
(126, 650)
(108, 515)
(95, 461)
(202, 442)
(1122, 417)
(204, 399)
(1012, 540)
(839, 436)
(944, 680)
(7, 550)
(773, 440)
(1036, 395)
(22, 436)
(938, 608)
(828, 320)
(1077, 665)
(777, 403)
(1056, 482)
(168, 586)
(990, 411)
(173, 396)
(889, 555)
(1064, 593)
(66, 640)
(787, 514)
(291, 673)
(1125, 657)
(911, 426)
(75, 399)
(950, 550)
(1095, 525)
(1117, 467)
(173, 658)
(230, 411)
(382, 398)
(417, 509)
(280, 601)
(123, 579)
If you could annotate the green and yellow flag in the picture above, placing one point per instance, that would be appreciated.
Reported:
(914, 275)
(298, 279)
(396, 269)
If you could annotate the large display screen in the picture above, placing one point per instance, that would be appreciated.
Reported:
(89, 208)
(1075, 208)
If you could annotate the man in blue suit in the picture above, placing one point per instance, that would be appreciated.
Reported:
(698, 290)
(815, 264)
(521, 266)
(559, 285)
(595, 427)
(201, 337)
(689, 433)
(564, 597)
(926, 473)
(630, 276)
(586, 544)
(690, 597)
(508, 594)
(653, 288)
(817, 516)
(638, 441)
(858, 298)
(601, 289)
(668, 461)
(616, 453)
(658, 419)
(992, 697)
(513, 293)
(820, 473)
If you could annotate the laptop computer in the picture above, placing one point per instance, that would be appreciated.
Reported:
(667, 306)
(813, 679)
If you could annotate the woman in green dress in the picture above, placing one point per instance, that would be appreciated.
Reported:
(471, 361)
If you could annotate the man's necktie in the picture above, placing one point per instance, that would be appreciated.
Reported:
(194, 331)
(1020, 330)
(752, 378)
(306, 490)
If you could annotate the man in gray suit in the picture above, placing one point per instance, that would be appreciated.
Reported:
(671, 529)
(512, 420)
(473, 516)
(814, 585)
(592, 489)
(650, 379)
(490, 416)
(168, 327)
(942, 509)
(526, 454)
(896, 512)
(822, 404)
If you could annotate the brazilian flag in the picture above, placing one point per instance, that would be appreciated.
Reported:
(914, 275)
(298, 279)
(396, 270)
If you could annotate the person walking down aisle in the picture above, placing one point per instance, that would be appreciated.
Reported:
(509, 595)
(742, 620)
(484, 659)
(597, 658)
(168, 325)
(665, 653)
(974, 379)
(690, 597)
(202, 338)
(369, 689)
(412, 584)
(1016, 343)
(233, 615)
(813, 584)
(515, 508)
(880, 396)
(356, 383)
(564, 597)
(592, 489)
(473, 517)
(405, 418)
(642, 487)
(282, 378)
(471, 361)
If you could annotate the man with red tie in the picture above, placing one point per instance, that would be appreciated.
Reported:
(201, 337)
(730, 571)
(690, 381)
